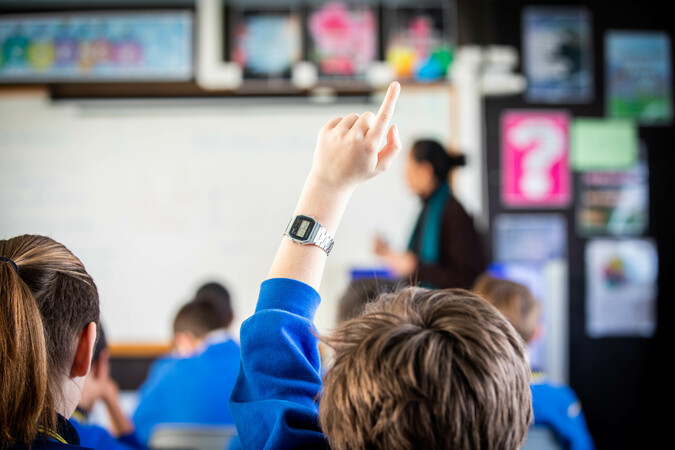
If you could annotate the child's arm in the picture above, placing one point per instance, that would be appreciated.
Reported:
(274, 401)
(347, 153)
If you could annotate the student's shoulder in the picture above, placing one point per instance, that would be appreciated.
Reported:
(549, 395)
(92, 435)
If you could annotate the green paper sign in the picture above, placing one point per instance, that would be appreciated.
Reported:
(602, 144)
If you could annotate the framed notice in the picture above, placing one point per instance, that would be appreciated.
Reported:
(639, 76)
(557, 57)
(535, 151)
(133, 46)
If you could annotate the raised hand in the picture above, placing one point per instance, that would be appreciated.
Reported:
(349, 149)
(348, 152)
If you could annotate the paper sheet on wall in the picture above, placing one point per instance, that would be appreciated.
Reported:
(535, 161)
(600, 144)
(621, 287)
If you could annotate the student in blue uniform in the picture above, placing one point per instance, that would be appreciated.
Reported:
(555, 405)
(49, 313)
(418, 369)
(194, 385)
(99, 386)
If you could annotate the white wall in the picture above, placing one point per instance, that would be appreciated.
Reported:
(156, 200)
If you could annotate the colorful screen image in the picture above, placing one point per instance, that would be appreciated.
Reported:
(266, 43)
(419, 44)
(557, 58)
(639, 76)
(106, 46)
(343, 38)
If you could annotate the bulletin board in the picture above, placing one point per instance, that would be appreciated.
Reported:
(619, 236)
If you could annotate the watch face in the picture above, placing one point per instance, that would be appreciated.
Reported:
(302, 228)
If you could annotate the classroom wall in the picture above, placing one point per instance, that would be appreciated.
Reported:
(156, 198)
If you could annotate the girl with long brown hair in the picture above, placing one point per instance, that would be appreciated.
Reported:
(49, 314)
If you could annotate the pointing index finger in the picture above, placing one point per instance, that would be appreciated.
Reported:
(386, 111)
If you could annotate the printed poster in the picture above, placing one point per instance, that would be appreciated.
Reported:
(529, 238)
(557, 57)
(535, 151)
(639, 76)
(621, 277)
(614, 202)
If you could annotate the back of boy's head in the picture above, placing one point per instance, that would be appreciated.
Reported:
(217, 294)
(197, 318)
(427, 369)
(514, 300)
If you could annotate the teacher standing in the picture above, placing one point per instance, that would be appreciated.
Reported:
(445, 250)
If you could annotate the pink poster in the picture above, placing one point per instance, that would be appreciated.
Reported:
(535, 165)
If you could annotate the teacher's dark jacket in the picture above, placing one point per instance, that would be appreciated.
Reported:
(446, 243)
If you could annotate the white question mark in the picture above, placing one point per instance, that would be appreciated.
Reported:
(543, 140)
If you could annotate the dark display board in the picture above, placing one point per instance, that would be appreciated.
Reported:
(622, 381)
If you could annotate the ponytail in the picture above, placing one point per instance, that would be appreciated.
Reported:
(46, 299)
(435, 154)
(23, 362)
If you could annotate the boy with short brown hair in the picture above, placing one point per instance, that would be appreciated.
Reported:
(426, 369)
(419, 369)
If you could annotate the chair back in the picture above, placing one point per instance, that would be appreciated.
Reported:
(191, 437)
(541, 438)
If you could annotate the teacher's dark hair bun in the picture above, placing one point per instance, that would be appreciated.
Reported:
(435, 154)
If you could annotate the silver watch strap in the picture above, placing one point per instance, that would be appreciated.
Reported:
(323, 239)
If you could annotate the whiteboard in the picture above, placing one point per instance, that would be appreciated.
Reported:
(156, 199)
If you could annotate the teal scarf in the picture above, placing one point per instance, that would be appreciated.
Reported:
(425, 241)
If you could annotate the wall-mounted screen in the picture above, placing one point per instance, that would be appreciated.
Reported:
(343, 38)
(131, 46)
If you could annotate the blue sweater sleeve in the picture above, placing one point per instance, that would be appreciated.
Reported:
(558, 407)
(275, 398)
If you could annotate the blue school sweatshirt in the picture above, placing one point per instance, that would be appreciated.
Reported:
(557, 406)
(192, 390)
(274, 401)
(97, 437)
